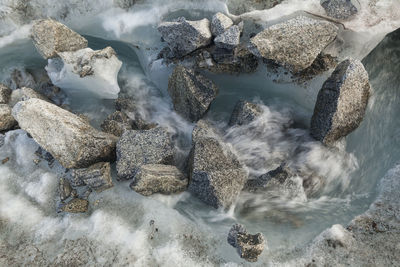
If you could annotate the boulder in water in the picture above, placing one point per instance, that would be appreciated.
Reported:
(69, 138)
(24, 94)
(220, 23)
(216, 175)
(76, 205)
(157, 178)
(184, 36)
(137, 148)
(117, 123)
(295, 43)
(97, 176)
(51, 37)
(7, 121)
(339, 9)
(191, 93)
(248, 246)
(244, 113)
(341, 102)
(5, 94)
(228, 39)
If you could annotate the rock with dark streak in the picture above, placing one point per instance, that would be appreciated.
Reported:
(97, 176)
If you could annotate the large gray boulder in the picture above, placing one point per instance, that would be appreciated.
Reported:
(228, 39)
(295, 43)
(136, 148)
(5, 94)
(216, 175)
(245, 112)
(191, 93)
(69, 138)
(7, 121)
(158, 178)
(341, 102)
(97, 176)
(220, 23)
(249, 247)
(184, 36)
(339, 9)
(51, 37)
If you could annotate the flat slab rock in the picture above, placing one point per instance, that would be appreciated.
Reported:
(137, 148)
(191, 93)
(341, 102)
(216, 175)
(295, 43)
(69, 138)
(184, 36)
(249, 247)
(158, 178)
(51, 37)
(97, 176)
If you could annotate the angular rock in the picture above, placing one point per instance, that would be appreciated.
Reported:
(184, 36)
(5, 94)
(117, 123)
(76, 205)
(191, 93)
(282, 182)
(157, 178)
(69, 138)
(216, 175)
(248, 246)
(339, 9)
(7, 121)
(341, 102)
(244, 113)
(136, 148)
(87, 70)
(24, 94)
(228, 39)
(64, 188)
(97, 176)
(220, 23)
(295, 43)
(51, 37)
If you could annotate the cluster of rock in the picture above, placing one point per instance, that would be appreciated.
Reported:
(248, 246)
(72, 63)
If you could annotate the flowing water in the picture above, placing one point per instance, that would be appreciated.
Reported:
(116, 229)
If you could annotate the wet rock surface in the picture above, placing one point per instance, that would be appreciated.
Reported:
(228, 39)
(249, 247)
(5, 94)
(97, 176)
(245, 112)
(137, 117)
(76, 205)
(117, 123)
(191, 93)
(341, 102)
(64, 188)
(7, 121)
(238, 7)
(220, 23)
(216, 175)
(137, 148)
(295, 43)
(339, 9)
(24, 94)
(51, 37)
(69, 138)
(157, 178)
(184, 36)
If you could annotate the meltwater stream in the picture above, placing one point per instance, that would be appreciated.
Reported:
(116, 229)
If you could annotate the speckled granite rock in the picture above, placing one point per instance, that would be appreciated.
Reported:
(216, 175)
(97, 176)
(7, 121)
(248, 246)
(339, 9)
(238, 7)
(184, 36)
(220, 23)
(341, 102)
(64, 188)
(51, 37)
(117, 123)
(5, 94)
(228, 39)
(191, 93)
(295, 43)
(244, 113)
(69, 138)
(76, 205)
(136, 148)
(157, 178)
